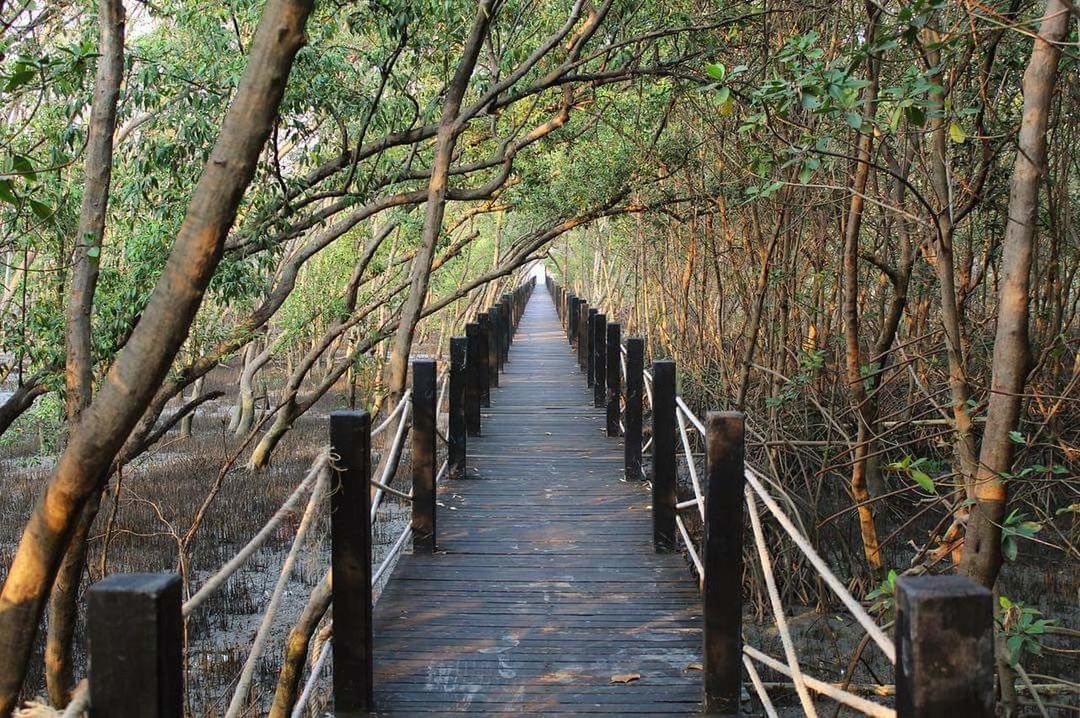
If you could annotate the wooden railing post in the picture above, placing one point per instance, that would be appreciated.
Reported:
(350, 558)
(944, 647)
(590, 344)
(493, 347)
(571, 320)
(455, 429)
(135, 636)
(483, 320)
(723, 561)
(581, 333)
(472, 389)
(635, 367)
(663, 455)
(508, 326)
(423, 455)
(614, 377)
(599, 360)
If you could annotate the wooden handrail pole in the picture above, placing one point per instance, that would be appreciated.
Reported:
(483, 356)
(424, 395)
(725, 438)
(582, 334)
(599, 360)
(590, 345)
(350, 558)
(472, 389)
(614, 378)
(457, 442)
(493, 347)
(944, 648)
(135, 636)
(663, 455)
(635, 377)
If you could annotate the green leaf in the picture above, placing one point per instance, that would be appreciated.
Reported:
(7, 192)
(716, 71)
(854, 119)
(42, 210)
(1017, 438)
(956, 133)
(21, 165)
(924, 480)
(1009, 547)
(93, 252)
(722, 95)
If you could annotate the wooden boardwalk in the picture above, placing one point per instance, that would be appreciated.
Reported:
(545, 586)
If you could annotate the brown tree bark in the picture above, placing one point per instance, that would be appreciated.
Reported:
(1012, 353)
(852, 354)
(446, 139)
(79, 361)
(143, 362)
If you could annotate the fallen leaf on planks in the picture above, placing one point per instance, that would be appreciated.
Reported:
(694, 667)
(625, 677)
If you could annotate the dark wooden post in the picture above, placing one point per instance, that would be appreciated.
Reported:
(663, 455)
(456, 444)
(350, 558)
(582, 334)
(493, 347)
(944, 648)
(508, 327)
(135, 635)
(571, 324)
(423, 455)
(483, 319)
(635, 366)
(497, 334)
(472, 389)
(722, 558)
(590, 345)
(614, 377)
(599, 360)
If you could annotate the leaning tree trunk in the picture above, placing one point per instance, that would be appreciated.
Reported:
(1012, 354)
(144, 361)
(445, 141)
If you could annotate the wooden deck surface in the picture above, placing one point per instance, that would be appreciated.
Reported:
(545, 585)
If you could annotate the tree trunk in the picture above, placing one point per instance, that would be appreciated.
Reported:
(860, 401)
(296, 649)
(445, 141)
(79, 360)
(1012, 354)
(144, 361)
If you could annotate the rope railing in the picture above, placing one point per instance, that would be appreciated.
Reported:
(686, 418)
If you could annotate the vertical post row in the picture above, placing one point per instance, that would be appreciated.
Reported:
(944, 647)
(423, 455)
(663, 455)
(722, 559)
(135, 634)
(635, 368)
(614, 377)
(493, 364)
(472, 390)
(350, 557)
(599, 360)
(483, 320)
(456, 444)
